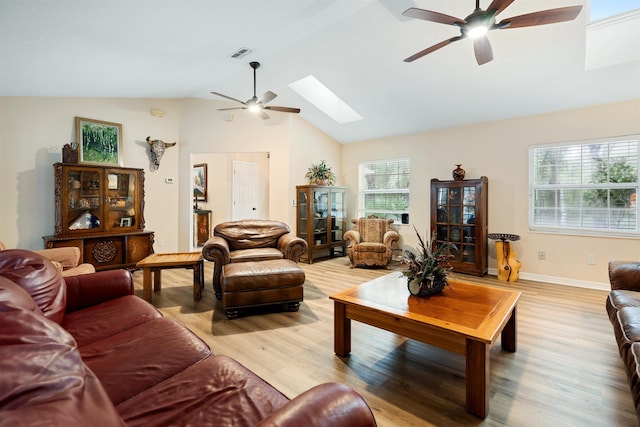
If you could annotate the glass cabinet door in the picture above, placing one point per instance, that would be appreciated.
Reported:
(84, 197)
(320, 216)
(337, 216)
(120, 200)
(303, 211)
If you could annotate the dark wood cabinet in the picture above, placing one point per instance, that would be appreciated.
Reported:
(201, 227)
(100, 209)
(459, 218)
(321, 220)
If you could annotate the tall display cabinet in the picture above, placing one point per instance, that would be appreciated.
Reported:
(459, 220)
(321, 220)
(100, 210)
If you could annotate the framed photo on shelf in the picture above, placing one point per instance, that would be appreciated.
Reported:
(99, 142)
(200, 182)
(125, 222)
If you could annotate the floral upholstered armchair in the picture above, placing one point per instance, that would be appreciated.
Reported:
(66, 260)
(371, 242)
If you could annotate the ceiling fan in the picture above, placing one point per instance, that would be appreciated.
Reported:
(476, 25)
(255, 104)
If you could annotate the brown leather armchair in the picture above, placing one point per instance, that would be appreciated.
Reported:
(250, 240)
(371, 241)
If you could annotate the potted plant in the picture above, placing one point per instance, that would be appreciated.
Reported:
(320, 174)
(427, 271)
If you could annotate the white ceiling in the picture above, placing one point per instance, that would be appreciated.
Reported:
(182, 48)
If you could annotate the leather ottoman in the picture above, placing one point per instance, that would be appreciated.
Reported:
(257, 283)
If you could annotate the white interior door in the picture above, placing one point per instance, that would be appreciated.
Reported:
(245, 190)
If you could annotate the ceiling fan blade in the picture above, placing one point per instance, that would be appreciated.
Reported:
(483, 50)
(499, 5)
(228, 97)
(283, 109)
(428, 15)
(232, 108)
(268, 96)
(550, 16)
(432, 49)
(263, 115)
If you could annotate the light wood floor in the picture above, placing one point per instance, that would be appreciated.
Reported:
(566, 372)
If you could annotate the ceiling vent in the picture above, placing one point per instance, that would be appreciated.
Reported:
(243, 51)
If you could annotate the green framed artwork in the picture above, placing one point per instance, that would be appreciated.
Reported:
(99, 142)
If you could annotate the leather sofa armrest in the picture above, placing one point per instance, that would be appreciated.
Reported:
(216, 249)
(292, 246)
(353, 236)
(326, 405)
(624, 275)
(87, 290)
(390, 237)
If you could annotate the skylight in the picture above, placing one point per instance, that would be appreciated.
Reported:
(325, 100)
(601, 9)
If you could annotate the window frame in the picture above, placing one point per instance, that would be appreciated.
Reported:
(581, 229)
(362, 191)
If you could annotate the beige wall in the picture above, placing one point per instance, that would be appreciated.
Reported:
(33, 130)
(499, 150)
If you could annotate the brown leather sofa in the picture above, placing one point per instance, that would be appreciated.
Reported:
(250, 240)
(623, 308)
(85, 351)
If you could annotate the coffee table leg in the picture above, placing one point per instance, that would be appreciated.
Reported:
(508, 336)
(197, 287)
(477, 378)
(146, 284)
(157, 281)
(342, 330)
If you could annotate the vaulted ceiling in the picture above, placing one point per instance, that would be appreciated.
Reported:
(183, 48)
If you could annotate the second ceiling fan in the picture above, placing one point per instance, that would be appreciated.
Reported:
(476, 25)
(255, 104)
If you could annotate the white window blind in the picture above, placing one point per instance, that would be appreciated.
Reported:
(585, 188)
(384, 188)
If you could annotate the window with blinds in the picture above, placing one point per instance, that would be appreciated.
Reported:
(585, 188)
(383, 189)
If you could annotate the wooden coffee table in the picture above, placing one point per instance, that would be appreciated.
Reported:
(155, 263)
(466, 319)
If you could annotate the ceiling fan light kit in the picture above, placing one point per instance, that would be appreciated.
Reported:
(480, 22)
(257, 105)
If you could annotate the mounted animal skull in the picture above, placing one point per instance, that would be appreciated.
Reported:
(156, 151)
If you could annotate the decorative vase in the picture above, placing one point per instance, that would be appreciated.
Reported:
(426, 287)
(458, 173)
(321, 181)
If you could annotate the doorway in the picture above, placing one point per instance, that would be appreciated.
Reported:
(245, 190)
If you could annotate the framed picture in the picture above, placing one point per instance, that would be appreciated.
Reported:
(125, 222)
(99, 143)
(200, 182)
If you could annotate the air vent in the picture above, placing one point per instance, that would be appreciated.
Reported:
(243, 51)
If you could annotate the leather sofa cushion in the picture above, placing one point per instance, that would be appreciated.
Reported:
(633, 370)
(216, 391)
(162, 348)
(619, 299)
(107, 319)
(256, 254)
(39, 277)
(13, 297)
(44, 381)
(252, 276)
(249, 234)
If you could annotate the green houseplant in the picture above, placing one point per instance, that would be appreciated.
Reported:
(320, 174)
(427, 271)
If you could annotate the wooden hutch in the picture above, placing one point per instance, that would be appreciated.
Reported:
(100, 209)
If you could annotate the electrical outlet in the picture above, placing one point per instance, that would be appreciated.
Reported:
(542, 255)
(591, 259)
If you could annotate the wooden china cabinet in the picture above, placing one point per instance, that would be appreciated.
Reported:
(321, 220)
(100, 209)
(459, 219)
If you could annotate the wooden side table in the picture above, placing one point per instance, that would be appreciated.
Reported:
(155, 263)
